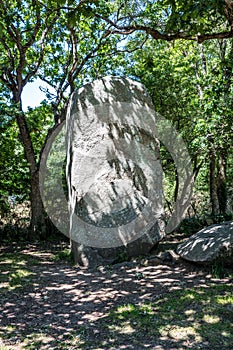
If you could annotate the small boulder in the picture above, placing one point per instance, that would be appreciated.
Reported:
(213, 243)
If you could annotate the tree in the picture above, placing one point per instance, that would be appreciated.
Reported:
(191, 84)
(66, 42)
(53, 41)
(24, 33)
(28, 37)
(13, 166)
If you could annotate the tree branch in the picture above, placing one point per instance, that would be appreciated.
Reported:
(74, 43)
(155, 34)
(42, 41)
(6, 82)
(35, 30)
(9, 70)
(9, 53)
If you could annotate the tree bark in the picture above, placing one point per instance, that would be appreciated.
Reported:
(38, 223)
(177, 185)
(222, 185)
(38, 227)
(213, 181)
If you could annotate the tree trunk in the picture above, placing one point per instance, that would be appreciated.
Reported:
(213, 181)
(222, 187)
(177, 185)
(38, 223)
(38, 217)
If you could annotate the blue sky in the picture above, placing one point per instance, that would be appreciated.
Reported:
(32, 95)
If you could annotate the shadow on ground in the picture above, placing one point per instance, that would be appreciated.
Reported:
(53, 305)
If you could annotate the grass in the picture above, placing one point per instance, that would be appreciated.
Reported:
(195, 316)
(15, 271)
(218, 270)
(64, 255)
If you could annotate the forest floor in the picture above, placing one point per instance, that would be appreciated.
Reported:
(47, 303)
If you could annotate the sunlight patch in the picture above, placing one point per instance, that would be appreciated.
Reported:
(212, 319)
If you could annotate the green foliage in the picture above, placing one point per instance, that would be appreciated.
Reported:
(65, 255)
(15, 271)
(13, 166)
(195, 16)
(122, 257)
(218, 270)
(198, 315)
(191, 85)
(39, 119)
(189, 18)
(190, 226)
(67, 43)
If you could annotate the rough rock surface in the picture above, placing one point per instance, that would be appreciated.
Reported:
(114, 174)
(213, 243)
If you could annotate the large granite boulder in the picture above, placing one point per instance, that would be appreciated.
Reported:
(114, 175)
(213, 243)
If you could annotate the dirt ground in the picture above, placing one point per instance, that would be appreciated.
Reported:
(62, 300)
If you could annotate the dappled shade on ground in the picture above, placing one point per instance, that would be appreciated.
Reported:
(50, 304)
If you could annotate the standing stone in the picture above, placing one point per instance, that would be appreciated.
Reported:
(114, 175)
